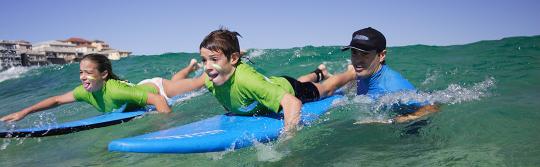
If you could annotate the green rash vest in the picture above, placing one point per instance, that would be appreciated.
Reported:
(248, 92)
(114, 94)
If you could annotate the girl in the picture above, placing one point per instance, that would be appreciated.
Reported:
(101, 88)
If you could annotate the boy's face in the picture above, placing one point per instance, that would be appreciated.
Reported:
(217, 67)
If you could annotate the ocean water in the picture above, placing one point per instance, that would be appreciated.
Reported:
(488, 94)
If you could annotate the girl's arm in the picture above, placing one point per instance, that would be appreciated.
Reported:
(42, 105)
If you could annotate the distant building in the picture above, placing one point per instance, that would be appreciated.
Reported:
(100, 45)
(58, 52)
(28, 56)
(85, 47)
(78, 41)
(17, 53)
(21, 45)
(8, 54)
(114, 54)
(33, 58)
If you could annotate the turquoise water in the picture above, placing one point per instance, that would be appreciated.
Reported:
(488, 92)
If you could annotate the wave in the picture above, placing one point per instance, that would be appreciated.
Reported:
(380, 110)
(14, 72)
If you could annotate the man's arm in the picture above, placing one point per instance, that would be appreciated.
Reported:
(422, 111)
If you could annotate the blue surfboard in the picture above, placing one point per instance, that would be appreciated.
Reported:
(218, 133)
(115, 117)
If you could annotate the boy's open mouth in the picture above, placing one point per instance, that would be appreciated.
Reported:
(213, 75)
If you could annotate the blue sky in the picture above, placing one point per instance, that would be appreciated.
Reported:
(159, 26)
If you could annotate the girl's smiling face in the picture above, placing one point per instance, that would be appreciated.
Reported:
(91, 79)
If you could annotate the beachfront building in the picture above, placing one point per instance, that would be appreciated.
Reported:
(85, 47)
(78, 41)
(58, 52)
(16, 53)
(82, 46)
(114, 54)
(28, 56)
(33, 58)
(8, 54)
(22, 45)
(100, 45)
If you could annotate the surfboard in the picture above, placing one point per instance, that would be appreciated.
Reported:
(218, 133)
(117, 116)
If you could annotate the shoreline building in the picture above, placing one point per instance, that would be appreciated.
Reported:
(28, 56)
(96, 46)
(57, 52)
(22, 53)
(8, 54)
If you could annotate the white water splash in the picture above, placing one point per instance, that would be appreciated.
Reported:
(6, 141)
(45, 120)
(254, 53)
(14, 72)
(268, 152)
(431, 77)
(189, 95)
(453, 94)
(297, 53)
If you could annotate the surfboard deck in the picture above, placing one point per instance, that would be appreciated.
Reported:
(108, 119)
(218, 133)
(117, 116)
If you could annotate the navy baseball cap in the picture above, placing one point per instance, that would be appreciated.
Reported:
(367, 39)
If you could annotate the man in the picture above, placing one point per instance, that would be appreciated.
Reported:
(372, 76)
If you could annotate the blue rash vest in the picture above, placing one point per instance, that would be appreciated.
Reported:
(386, 81)
(381, 82)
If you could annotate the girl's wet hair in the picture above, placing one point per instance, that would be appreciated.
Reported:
(222, 40)
(103, 63)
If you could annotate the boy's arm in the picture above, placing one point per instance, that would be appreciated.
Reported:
(291, 112)
(158, 101)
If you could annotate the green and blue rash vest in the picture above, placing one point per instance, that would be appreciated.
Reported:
(115, 94)
(248, 92)
(387, 81)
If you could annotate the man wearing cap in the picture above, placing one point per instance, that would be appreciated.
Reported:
(373, 77)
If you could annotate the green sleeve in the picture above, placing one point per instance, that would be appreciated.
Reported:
(80, 94)
(209, 85)
(129, 94)
(267, 93)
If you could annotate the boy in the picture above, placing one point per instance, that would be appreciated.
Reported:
(244, 91)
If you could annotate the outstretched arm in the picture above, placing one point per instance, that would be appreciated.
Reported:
(291, 108)
(182, 74)
(422, 111)
(176, 87)
(43, 105)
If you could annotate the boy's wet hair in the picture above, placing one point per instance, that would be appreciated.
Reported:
(222, 40)
(103, 63)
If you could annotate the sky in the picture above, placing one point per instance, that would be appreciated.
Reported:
(161, 26)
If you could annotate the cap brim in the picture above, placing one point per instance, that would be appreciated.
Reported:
(352, 47)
